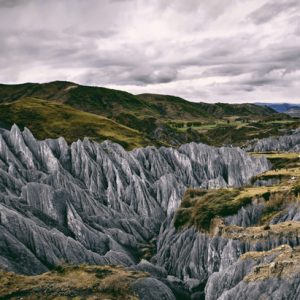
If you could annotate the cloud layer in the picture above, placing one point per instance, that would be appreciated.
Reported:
(209, 51)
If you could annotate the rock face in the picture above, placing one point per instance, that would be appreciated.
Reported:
(260, 182)
(195, 257)
(258, 275)
(93, 203)
(289, 143)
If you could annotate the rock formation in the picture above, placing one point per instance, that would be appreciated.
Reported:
(95, 203)
(290, 143)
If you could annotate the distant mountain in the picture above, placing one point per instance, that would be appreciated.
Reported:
(279, 107)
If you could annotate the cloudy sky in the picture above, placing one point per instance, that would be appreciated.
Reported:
(201, 50)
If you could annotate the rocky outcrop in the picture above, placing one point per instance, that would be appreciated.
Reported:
(258, 275)
(151, 288)
(195, 257)
(270, 181)
(94, 203)
(289, 143)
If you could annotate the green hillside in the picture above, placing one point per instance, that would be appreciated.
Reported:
(47, 119)
(109, 102)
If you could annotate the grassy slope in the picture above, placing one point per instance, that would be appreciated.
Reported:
(239, 134)
(220, 110)
(72, 282)
(48, 119)
(147, 109)
(199, 208)
(176, 108)
(97, 100)
(109, 102)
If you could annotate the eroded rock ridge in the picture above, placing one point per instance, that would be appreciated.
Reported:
(95, 203)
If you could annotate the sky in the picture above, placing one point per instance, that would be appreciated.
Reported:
(232, 51)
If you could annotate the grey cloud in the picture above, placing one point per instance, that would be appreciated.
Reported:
(92, 33)
(144, 75)
(259, 82)
(226, 70)
(121, 43)
(272, 9)
(12, 3)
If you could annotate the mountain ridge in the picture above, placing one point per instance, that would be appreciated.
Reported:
(109, 102)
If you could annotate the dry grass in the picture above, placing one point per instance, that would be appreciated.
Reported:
(285, 265)
(289, 230)
(206, 210)
(71, 282)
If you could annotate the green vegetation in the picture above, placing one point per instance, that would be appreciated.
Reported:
(280, 161)
(105, 100)
(146, 125)
(72, 282)
(143, 113)
(221, 110)
(199, 207)
(47, 119)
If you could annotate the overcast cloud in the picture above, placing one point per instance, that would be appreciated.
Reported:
(209, 50)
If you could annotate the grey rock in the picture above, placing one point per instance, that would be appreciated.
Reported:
(93, 203)
(190, 254)
(291, 213)
(230, 283)
(247, 216)
(146, 266)
(179, 288)
(151, 288)
(282, 143)
(198, 296)
(265, 182)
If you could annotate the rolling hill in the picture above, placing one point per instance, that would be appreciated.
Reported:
(47, 119)
(74, 111)
(109, 102)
